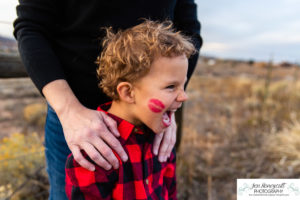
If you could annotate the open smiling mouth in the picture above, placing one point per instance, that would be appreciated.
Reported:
(167, 118)
(157, 106)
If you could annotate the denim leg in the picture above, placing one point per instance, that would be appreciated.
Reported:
(56, 151)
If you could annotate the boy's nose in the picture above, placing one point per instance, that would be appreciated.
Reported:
(182, 96)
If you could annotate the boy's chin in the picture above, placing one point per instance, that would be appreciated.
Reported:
(158, 130)
(156, 127)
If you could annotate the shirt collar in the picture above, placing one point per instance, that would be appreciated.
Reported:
(125, 128)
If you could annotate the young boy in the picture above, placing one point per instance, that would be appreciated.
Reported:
(143, 69)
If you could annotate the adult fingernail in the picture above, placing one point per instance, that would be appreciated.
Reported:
(155, 151)
(161, 159)
(116, 166)
(108, 167)
(92, 168)
(124, 158)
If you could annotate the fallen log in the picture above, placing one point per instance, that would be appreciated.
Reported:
(11, 66)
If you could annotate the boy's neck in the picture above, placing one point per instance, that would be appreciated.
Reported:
(122, 110)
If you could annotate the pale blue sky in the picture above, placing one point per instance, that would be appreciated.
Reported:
(248, 29)
(243, 29)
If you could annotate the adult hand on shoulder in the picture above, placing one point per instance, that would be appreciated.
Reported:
(95, 133)
(85, 129)
(164, 142)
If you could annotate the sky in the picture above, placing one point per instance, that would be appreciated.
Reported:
(239, 29)
(251, 29)
(7, 16)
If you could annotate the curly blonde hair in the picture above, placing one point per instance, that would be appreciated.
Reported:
(127, 55)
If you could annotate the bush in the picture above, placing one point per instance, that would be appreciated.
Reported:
(22, 173)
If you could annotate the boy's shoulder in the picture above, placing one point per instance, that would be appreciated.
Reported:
(78, 176)
(78, 179)
(72, 164)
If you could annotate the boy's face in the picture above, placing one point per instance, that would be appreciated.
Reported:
(161, 92)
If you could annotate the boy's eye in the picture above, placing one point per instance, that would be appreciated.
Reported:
(170, 87)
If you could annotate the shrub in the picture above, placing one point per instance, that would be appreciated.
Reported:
(22, 167)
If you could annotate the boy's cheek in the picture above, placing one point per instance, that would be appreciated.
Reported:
(155, 105)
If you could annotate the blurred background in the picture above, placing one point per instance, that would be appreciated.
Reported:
(241, 120)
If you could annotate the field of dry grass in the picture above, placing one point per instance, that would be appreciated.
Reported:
(241, 121)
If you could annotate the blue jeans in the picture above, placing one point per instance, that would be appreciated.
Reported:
(56, 151)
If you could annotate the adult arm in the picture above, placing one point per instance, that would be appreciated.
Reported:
(33, 28)
(186, 21)
(83, 128)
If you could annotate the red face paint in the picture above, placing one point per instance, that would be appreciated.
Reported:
(156, 105)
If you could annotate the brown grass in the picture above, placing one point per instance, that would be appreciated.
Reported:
(238, 124)
(241, 121)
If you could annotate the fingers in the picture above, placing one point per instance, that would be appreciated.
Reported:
(97, 157)
(173, 137)
(157, 140)
(162, 155)
(106, 151)
(100, 148)
(80, 159)
(172, 143)
(104, 157)
(111, 141)
(168, 141)
(110, 123)
(95, 133)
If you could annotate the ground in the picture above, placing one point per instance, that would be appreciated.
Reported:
(15, 95)
(233, 108)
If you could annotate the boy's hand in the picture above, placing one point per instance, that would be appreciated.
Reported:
(164, 142)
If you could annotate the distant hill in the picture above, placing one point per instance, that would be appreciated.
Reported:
(8, 45)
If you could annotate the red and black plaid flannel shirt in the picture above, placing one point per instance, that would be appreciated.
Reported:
(141, 177)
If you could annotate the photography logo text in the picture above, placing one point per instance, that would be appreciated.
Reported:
(287, 189)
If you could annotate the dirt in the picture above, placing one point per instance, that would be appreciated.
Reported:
(15, 95)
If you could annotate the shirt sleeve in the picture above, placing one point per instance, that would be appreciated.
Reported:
(186, 21)
(82, 184)
(170, 176)
(34, 27)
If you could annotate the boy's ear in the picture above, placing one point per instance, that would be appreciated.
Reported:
(125, 91)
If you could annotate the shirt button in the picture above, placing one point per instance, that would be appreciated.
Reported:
(147, 181)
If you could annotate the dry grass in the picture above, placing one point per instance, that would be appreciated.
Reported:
(241, 121)
(35, 114)
(22, 167)
(238, 125)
